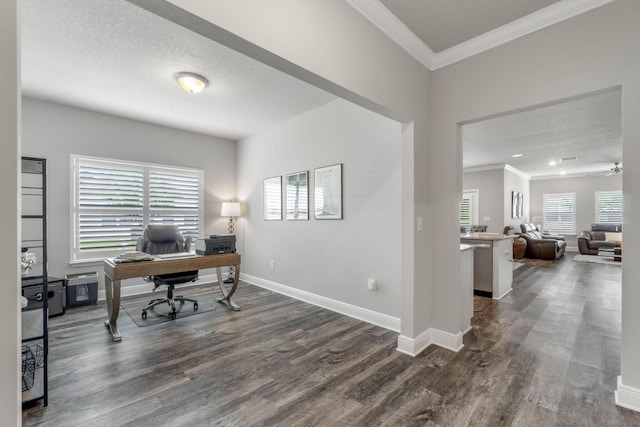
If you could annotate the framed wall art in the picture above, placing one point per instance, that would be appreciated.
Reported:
(297, 196)
(273, 198)
(327, 192)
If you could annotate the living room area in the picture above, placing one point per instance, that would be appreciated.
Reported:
(559, 168)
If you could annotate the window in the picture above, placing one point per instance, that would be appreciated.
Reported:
(559, 213)
(608, 207)
(114, 200)
(469, 208)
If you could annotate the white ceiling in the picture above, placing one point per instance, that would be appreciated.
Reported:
(115, 57)
(588, 128)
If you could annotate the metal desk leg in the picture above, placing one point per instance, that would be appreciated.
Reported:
(112, 291)
(227, 295)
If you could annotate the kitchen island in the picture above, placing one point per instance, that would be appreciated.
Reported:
(492, 263)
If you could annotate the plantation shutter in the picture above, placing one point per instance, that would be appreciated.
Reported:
(559, 213)
(115, 200)
(608, 207)
(465, 212)
(174, 198)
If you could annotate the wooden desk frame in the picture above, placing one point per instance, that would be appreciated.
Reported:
(114, 273)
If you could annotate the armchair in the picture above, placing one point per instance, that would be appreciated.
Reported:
(166, 239)
(541, 247)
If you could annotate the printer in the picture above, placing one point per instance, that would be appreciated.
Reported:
(216, 244)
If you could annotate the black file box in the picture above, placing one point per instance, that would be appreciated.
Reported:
(82, 289)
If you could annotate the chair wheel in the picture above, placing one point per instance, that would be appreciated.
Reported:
(181, 302)
(144, 314)
(173, 314)
(195, 306)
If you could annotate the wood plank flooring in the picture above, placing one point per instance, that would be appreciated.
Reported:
(545, 355)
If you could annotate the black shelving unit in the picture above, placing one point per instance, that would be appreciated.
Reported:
(35, 339)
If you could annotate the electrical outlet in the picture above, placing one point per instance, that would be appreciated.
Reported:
(371, 284)
(272, 263)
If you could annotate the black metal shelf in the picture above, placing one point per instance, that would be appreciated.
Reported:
(35, 345)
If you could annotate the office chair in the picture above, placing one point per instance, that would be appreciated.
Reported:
(166, 239)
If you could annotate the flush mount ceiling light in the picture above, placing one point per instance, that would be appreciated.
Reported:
(191, 82)
(516, 155)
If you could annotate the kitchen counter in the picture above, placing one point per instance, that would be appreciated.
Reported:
(487, 236)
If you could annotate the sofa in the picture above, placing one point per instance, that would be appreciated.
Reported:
(600, 236)
(541, 246)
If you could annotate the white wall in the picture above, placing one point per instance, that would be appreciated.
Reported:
(10, 319)
(54, 131)
(330, 258)
(590, 52)
(585, 189)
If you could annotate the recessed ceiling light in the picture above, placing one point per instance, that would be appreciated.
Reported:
(552, 163)
(517, 155)
(563, 172)
(191, 82)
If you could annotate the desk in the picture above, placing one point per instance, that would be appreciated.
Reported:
(114, 273)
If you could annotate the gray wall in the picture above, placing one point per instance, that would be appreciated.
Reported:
(10, 324)
(590, 52)
(489, 184)
(585, 189)
(359, 63)
(330, 258)
(515, 182)
(495, 187)
(54, 131)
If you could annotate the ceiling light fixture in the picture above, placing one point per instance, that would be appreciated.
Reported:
(516, 155)
(191, 82)
(552, 163)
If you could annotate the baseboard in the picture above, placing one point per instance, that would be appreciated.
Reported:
(370, 316)
(147, 287)
(627, 397)
(414, 346)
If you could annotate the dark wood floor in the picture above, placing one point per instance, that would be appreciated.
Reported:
(547, 354)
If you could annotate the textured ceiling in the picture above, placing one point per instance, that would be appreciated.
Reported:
(442, 24)
(588, 128)
(114, 57)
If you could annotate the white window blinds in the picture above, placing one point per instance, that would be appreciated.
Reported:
(114, 200)
(608, 207)
(465, 212)
(559, 213)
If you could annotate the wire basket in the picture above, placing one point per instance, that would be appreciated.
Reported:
(32, 358)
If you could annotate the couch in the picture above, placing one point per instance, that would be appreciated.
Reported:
(541, 247)
(600, 236)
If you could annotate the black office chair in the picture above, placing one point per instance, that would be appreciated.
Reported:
(166, 239)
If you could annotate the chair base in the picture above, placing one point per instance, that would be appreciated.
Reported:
(171, 302)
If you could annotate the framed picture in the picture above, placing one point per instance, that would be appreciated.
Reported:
(327, 192)
(273, 198)
(520, 205)
(514, 204)
(297, 196)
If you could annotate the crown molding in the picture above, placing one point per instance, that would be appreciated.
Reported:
(506, 167)
(395, 29)
(531, 23)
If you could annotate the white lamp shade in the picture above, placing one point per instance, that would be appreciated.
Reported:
(230, 209)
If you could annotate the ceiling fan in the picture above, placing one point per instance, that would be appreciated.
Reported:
(615, 170)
